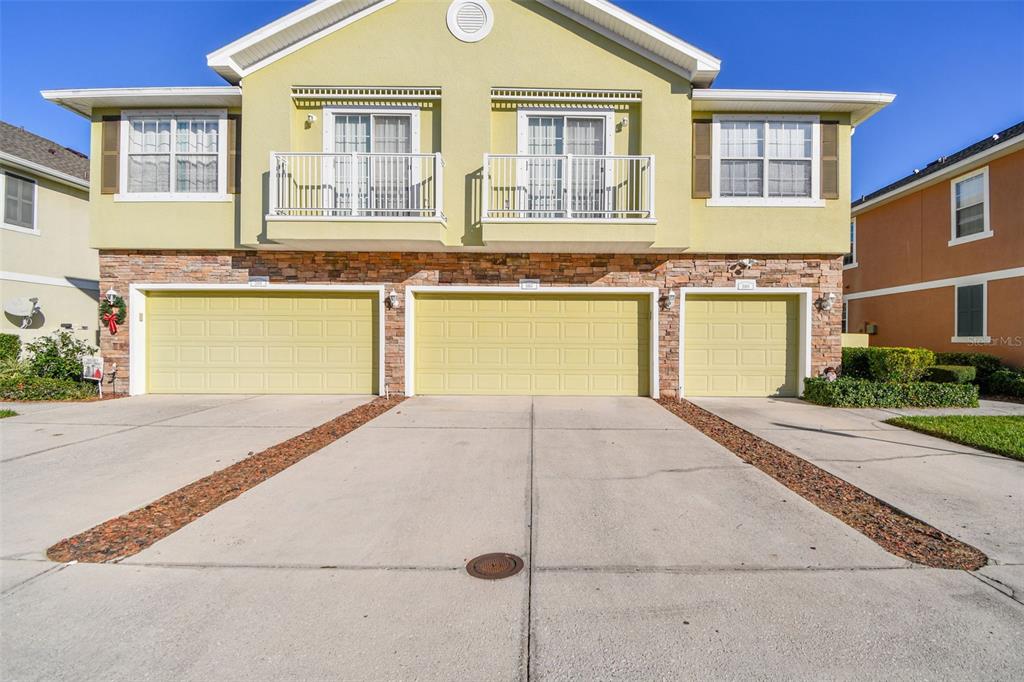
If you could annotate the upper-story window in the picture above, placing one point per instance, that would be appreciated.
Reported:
(765, 161)
(969, 207)
(850, 257)
(173, 156)
(19, 202)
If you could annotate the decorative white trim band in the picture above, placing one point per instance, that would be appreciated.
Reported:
(73, 282)
(300, 93)
(564, 95)
(978, 278)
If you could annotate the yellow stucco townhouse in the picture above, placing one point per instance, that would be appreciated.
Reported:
(49, 275)
(472, 197)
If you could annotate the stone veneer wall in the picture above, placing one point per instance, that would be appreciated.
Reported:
(822, 273)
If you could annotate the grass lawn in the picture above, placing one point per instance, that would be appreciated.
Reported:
(8, 413)
(1001, 435)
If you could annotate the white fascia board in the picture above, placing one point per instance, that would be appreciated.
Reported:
(1001, 149)
(32, 167)
(861, 105)
(83, 100)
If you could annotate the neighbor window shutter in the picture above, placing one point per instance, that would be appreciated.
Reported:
(701, 159)
(234, 152)
(110, 162)
(829, 160)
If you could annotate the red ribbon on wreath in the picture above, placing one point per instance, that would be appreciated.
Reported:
(111, 320)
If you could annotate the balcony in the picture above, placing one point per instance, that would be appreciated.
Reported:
(353, 200)
(568, 202)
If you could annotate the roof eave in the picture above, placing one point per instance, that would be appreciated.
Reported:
(26, 165)
(860, 105)
(83, 101)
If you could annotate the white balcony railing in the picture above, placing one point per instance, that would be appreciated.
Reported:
(566, 187)
(356, 186)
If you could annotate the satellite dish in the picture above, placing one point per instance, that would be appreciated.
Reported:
(25, 308)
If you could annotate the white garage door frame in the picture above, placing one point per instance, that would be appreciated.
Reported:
(804, 294)
(137, 311)
(410, 314)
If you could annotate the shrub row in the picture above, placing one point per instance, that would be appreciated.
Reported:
(846, 392)
(984, 364)
(950, 374)
(1006, 382)
(44, 388)
(882, 363)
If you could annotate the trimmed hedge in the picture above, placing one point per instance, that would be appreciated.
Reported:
(901, 365)
(846, 392)
(10, 346)
(950, 374)
(984, 363)
(44, 388)
(855, 363)
(1006, 382)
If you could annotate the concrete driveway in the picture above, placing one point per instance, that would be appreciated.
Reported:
(651, 553)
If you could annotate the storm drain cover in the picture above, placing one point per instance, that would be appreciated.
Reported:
(494, 566)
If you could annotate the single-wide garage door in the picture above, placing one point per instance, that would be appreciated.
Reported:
(532, 344)
(261, 342)
(739, 345)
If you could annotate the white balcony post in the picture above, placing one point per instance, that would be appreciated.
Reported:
(353, 183)
(650, 187)
(485, 194)
(567, 178)
(273, 183)
(438, 185)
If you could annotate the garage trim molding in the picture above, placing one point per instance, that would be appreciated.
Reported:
(805, 296)
(410, 308)
(137, 311)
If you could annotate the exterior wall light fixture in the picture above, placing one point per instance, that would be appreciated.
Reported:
(669, 299)
(111, 296)
(825, 303)
(392, 299)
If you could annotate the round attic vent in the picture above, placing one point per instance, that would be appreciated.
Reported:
(470, 20)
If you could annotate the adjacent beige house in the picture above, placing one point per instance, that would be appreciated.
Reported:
(470, 196)
(44, 237)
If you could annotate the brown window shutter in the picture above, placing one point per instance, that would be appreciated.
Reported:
(701, 159)
(234, 152)
(829, 160)
(110, 162)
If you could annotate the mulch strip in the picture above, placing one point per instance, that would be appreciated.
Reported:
(130, 534)
(894, 530)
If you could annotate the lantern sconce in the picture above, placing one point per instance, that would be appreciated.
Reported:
(825, 303)
(111, 296)
(392, 299)
(669, 299)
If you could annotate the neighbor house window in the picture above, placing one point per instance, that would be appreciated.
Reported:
(19, 201)
(970, 312)
(850, 258)
(765, 160)
(174, 155)
(846, 317)
(969, 207)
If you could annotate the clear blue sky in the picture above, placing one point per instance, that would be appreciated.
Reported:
(957, 67)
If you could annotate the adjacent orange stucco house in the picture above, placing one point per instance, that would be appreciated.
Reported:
(937, 258)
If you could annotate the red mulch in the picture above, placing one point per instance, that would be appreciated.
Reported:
(130, 534)
(895, 531)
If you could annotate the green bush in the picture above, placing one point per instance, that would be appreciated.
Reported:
(898, 364)
(855, 363)
(44, 388)
(847, 392)
(1006, 382)
(58, 356)
(10, 346)
(984, 363)
(950, 374)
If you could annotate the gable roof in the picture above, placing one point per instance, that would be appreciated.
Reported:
(1000, 143)
(323, 17)
(860, 105)
(35, 153)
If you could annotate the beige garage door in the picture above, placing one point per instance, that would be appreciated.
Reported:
(532, 344)
(740, 345)
(269, 342)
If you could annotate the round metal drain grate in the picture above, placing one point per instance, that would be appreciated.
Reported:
(494, 566)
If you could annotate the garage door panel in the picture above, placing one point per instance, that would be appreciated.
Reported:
(533, 343)
(740, 345)
(267, 342)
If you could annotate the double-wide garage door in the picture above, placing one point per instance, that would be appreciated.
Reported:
(266, 342)
(532, 344)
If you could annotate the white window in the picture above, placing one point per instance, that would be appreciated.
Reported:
(971, 323)
(968, 205)
(765, 161)
(19, 197)
(846, 317)
(173, 156)
(850, 257)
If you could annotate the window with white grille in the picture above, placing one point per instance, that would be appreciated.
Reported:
(969, 207)
(172, 155)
